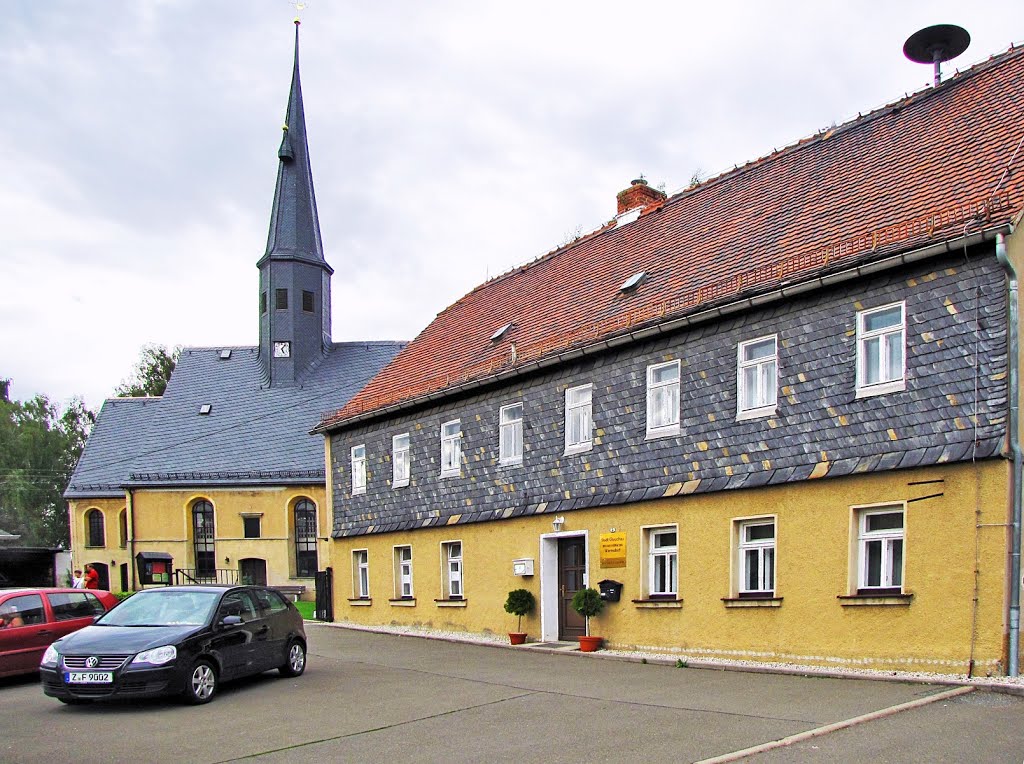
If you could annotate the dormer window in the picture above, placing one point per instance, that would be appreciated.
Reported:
(225, 354)
(501, 332)
(633, 281)
(205, 409)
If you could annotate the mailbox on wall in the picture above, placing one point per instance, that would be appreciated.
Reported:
(154, 567)
(522, 567)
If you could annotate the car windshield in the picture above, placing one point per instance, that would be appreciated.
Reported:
(154, 607)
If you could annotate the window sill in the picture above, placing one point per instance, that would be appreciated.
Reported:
(451, 474)
(752, 601)
(403, 602)
(582, 449)
(896, 386)
(663, 432)
(860, 600)
(359, 492)
(658, 604)
(760, 413)
(511, 463)
(450, 603)
(360, 602)
(401, 484)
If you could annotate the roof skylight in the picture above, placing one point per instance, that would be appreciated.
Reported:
(205, 409)
(633, 281)
(225, 354)
(501, 332)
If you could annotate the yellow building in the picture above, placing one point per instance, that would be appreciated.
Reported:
(219, 479)
(779, 408)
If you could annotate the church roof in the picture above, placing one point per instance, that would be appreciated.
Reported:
(251, 434)
(923, 170)
(294, 224)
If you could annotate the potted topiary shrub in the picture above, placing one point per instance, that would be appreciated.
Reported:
(520, 602)
(587, 602)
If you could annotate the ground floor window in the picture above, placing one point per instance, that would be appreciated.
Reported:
(880, 550)
(403, 572)
(361, 574)
(662, 561)
(451, 554)
(756, 557)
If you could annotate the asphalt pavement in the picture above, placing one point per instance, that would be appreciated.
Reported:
(374, 697)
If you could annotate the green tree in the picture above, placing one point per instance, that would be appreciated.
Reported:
(152, 372)
(39, 447)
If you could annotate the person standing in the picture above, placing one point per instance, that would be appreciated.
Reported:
(78, 581)
(92, 578)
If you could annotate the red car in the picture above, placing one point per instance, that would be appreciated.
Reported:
(30, 619)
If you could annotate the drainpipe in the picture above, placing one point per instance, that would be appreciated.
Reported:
(1013, 668)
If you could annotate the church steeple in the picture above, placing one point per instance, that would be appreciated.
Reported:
(295, 286)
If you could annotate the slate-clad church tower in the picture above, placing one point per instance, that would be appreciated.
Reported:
(295, 280)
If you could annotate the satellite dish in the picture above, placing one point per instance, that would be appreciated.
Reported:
(933, 45)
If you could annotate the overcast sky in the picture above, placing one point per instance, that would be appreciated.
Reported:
(450, 141)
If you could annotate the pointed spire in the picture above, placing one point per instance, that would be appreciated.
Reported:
(294, 225)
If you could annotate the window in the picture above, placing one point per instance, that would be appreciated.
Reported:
(263, 303)
(757, 377)
(663, 399)
(281, 299)
(403, 572)
(579, 420)
(881, 337)
(451, 448)
(26, 610)
(510, 434)
(307, 301)
(361, 574)
(662, 562)
(68, 606)
(251, 527)
(203, 543)
(451, 553)
(305, 539)
(880, 551)
(358, 469)
(122, 527)
(94, 522)
(400, 460)
(757, 558)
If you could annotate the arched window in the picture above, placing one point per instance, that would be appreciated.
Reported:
(94, 524)
(123, 527)
(202, 539)
(305, 539)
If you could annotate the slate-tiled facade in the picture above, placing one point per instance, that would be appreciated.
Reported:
(956, 316)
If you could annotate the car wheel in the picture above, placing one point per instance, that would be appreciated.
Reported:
(200, 683)
(296, 661)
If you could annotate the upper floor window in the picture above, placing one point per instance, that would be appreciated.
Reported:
(662, 562)
(359, 469)
(400, 460)
(97, 532)
(510, 435)
(307, 301)
(451, 448)
(251, 526)
(663, 399)
(263, 302)
(579, 419)
(757, 558)
(880, 551)
(881, 339)
(757, 377)
(281, 299)
(451, 552)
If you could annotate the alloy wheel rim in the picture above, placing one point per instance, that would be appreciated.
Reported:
(202, 682)
(298, 658)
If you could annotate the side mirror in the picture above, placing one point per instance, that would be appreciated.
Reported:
(230, 621)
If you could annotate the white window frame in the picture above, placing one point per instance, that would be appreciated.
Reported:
(452, 571)
(888, 539)
(401, 466)
(892, 376)
(451, 448)
(403, 572)
(761, 549)
(766, 372)
(579, 417)
(361, 573)
(510, 434)
(358, 469)
(663, 397)
(656, 560)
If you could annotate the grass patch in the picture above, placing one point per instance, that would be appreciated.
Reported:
(308, 609)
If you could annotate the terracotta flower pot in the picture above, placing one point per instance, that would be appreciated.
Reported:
(516, 638)
(590, 644)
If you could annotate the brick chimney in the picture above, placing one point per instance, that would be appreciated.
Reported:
(639, 194)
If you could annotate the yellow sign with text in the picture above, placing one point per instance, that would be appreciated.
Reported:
(613, 550)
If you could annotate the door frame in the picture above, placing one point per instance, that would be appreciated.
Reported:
(549, 579)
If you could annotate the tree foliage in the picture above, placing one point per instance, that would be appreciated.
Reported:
(152, 372)
(39, 447)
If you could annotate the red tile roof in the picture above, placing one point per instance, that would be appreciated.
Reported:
(903, 176)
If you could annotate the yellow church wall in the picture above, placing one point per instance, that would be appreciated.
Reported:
(161, 522)
(950, 512)
(114, 551)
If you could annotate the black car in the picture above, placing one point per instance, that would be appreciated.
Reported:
(177, 640)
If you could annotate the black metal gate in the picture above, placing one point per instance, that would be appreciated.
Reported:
(325, 595)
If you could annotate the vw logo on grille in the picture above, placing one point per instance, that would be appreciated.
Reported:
(92, 661)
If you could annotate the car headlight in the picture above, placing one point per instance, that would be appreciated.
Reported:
(51, 657)
(157, 656)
